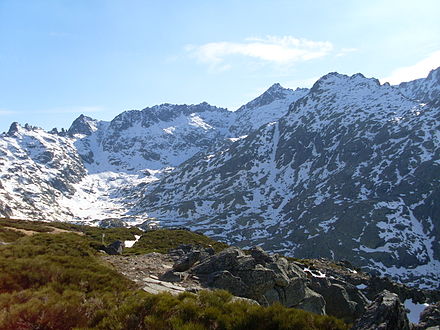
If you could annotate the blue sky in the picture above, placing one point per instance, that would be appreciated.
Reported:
(61, 58)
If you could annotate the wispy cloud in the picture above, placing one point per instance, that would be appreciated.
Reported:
(4, 112)
(345, 51)
(418, 70)
(285, 50)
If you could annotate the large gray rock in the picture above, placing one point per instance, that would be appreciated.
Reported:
(312, 302)
(344, 300)
(386, 312)
(225, 260)
(265, 278)
(430, 317)
(115, 248)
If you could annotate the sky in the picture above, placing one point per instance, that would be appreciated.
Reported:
(63, 58)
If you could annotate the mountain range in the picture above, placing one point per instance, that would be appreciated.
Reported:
(348, 169)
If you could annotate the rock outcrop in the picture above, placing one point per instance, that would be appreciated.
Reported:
(114, 248)
(430, 318)
(343, 299)
(386, 312)
(259, 276)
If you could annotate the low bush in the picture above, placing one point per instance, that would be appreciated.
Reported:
(57, 282)
(9, 235)
(37, 226)
(162, 240)
(210, 310)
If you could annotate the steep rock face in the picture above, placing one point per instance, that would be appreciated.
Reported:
(352, 171)
(268, 107)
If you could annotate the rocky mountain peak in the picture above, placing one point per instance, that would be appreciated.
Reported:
(13, 128)
(434, 75)
(350, 156)
(269, 106)
(17, 128)
(274, 92)
(424, 89)
(275, 87)
(343, 82)
(83, 125)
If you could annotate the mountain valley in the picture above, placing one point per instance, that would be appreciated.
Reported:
(348, 169)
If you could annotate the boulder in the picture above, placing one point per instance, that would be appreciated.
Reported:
(115, 248)
(344, 300)
(312, 302)
(187, 261)
(171, 276)
(430, 317)
(260, 256)
(225, 260)
(386, 312)
(259, 276)
(225, 280)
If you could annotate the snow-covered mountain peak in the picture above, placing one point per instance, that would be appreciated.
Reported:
(149, 117)
(348, 169)
(269, 106)
(275, 88)
(16, 129)
(341, 82)
(83, 125)
(273, 93)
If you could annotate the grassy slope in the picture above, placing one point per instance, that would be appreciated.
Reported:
(56, 281)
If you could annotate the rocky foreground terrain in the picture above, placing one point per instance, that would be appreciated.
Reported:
(315, 285)
(37, 257)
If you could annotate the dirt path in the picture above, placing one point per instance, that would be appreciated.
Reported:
(148, 271)
(33, 232)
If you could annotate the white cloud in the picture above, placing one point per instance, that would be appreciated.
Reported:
(284, 50)
(418, 70)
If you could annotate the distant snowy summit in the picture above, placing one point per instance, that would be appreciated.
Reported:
(348, 169)
(270, 106)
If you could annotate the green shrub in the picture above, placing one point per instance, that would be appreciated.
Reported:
(162, 240)
(57, 282)
(9, 235)
(211, 310)
(37, 226)
(111, 234)
(62, 260)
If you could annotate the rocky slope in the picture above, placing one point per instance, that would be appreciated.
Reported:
(93, 170)
(348, 171)
(352, 171)
(37, 170)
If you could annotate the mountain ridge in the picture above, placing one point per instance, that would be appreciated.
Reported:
(294, 165)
